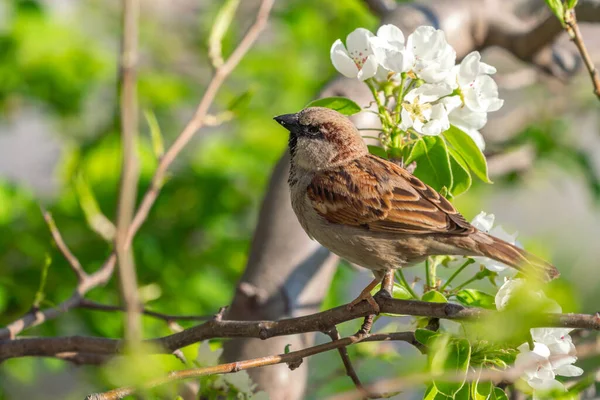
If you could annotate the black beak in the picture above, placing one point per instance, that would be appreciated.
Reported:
(288, 121)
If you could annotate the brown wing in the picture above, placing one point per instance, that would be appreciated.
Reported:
(380, 196)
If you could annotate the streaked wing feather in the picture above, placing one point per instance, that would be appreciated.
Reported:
(378, 195)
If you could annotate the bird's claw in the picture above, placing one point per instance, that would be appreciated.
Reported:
(369, 298)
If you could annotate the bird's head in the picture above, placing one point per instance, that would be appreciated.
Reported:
(321, 138)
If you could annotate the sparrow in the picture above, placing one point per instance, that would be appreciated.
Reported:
(374, 213)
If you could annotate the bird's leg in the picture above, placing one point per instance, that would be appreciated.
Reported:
(387, 284)
(366, 295)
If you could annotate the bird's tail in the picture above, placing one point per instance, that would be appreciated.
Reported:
(529, 264)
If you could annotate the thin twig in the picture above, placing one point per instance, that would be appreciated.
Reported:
(198, 120)
(318, 322)
(572, 29)
(36, 317)
(64, 249)
(294, 358)
(129, 171)
(92, 305)
(350, 371)
(106, 271)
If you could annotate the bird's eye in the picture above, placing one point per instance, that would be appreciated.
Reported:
(313, 130)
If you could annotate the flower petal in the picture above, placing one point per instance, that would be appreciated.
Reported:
(358, 41)
(369, 68)
(391, 33)
(568, 370)
(342, 61)
(465, 117)
(469, 68)
(407, 121)
(484, 222)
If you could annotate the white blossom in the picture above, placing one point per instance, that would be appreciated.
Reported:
(240, 380)
(561, 346)
(419, 113)
(478, 90)
(433, 57)
(356, 59)
(508, 289)
(553, 353)
(536, 366)
(465, 119)
(390, 51)
(206, 356)
(484, 222)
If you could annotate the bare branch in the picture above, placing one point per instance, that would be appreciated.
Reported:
(198, 120)
(575, 34)
(105, 272)
(35, 317)
(318, 322)
(350, 371)
(130, 169)
(293, 358)
(64, 249)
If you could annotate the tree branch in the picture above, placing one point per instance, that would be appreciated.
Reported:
(350, 371)
(64, 249)
(319, 322)
(293, 359)
(575, 34)
(198, 120)
(35, 317)
(129, 170)
(104, 274)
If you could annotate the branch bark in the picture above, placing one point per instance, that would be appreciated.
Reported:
(319, 322)
(129, 170)
(575, 35)
(292, 359)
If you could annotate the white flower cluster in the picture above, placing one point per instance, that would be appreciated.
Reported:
(553, 352)
(439, 93)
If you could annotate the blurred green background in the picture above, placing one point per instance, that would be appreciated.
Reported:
(58, 103)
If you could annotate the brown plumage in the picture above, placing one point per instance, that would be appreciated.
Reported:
(373, 212)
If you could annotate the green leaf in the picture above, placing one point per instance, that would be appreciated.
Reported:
(557, 8)
(400, 292)
(476, 298)
(584, 383)
(340, 104)
(155, 134)
(481, 390)
(40, 294)
(434, 296)
(377, 151)
(450, 355)
(498, 394)
(219, 28)
(433, 162)
(97, 221)
(287, 348)
(571, 4)
(432, 394)
(463, 392)
(465, 147)
(461, 176)
(423, 335)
